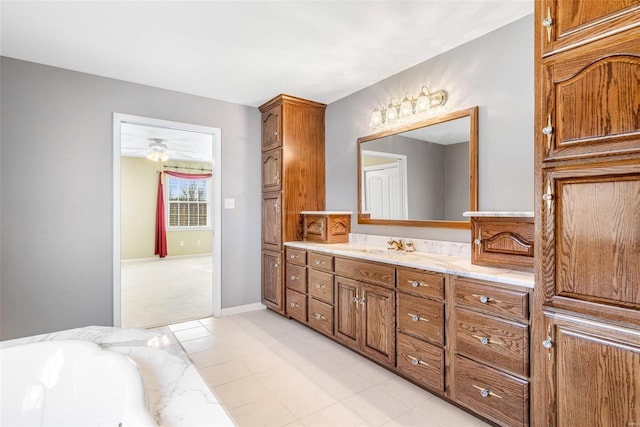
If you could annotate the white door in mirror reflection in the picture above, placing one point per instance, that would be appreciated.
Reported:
(384, 178)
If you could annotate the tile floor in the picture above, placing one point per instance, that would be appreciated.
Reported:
(165, 291)
(270, 371)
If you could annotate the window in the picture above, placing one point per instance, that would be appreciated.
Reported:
(188, 202)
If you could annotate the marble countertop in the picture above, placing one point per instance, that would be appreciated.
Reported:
(449, 264)
(176, 393)
(326, 212)
(499, 214)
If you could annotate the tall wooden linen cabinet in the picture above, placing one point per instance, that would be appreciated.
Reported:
(293, 180)
(586, 337)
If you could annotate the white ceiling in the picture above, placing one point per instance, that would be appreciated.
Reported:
(246, 52)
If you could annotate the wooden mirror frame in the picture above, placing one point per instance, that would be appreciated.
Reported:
(472, 113)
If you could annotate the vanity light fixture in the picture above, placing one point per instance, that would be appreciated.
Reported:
(408, 108)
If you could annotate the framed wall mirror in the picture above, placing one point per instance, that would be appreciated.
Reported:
(422, 174)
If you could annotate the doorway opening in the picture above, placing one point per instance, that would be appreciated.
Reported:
(149, 154)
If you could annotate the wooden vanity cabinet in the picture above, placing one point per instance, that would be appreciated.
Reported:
(365, 312)
(320, 293)
(586, 312)
(489, 326)
(293, 180)
(421, 327)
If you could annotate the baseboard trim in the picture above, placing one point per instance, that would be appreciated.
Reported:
(242, 309)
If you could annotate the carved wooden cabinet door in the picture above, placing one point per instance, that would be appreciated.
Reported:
(586, 317)
(272, 221)
(271, 128)
(347, 322)
(272, 277)
(272, 170)
(378, 323)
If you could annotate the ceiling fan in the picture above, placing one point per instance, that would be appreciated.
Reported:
(158, 151)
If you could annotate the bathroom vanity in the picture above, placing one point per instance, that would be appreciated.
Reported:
(456, 329)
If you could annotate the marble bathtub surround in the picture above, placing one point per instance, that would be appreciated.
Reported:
(421, 245)
(437, 262)
(176, 393)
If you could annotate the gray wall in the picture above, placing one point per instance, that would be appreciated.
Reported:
(456, 180)
(494, 72)
(56, 177)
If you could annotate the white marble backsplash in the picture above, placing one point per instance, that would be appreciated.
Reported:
(430, 246)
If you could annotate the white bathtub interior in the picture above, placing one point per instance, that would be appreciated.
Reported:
(70, 383)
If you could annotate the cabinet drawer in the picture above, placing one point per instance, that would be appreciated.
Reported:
(491, 393)
(421, 282)
(320, 261)
(421, 361)
(297, 305)
(483, 296)
(421, 317)
(321, 285)
(321, 316)
(297, 256)
(296, 277)
(379, 274)
(497, 342)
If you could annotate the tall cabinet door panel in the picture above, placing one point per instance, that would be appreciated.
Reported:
(347, 311)
(272, 221)
(591, 262)
(272, 170)
(271, 128)
(593, 99)
(272, 294)
(378, 335)
(596, 372)
(567, 24)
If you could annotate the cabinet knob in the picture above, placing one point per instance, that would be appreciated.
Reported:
(484, 340)
(415, 361)
(547, 22)
(417, 284)
(477, 241)
(547, 343)
(355, 299)
(547, 197)
(484, 299)
(319, 286)
(319, 316)
(415, 318)
(293, 304)
(547, 130)
(486, 392)
(293, 256)
(293, 277)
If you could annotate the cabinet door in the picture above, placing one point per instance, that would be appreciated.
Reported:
(271, 128)
(564, 23)
(591, 99)
(272, 170)
(347, 311)
(378, 323)
(272, 280)
(591, 248)
(272, 221)
(594, 373)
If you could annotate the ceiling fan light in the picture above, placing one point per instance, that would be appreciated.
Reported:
(154, 156)
(163, 156)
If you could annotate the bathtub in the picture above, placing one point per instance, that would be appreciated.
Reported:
(70, 383)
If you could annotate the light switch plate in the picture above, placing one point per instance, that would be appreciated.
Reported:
(229, 203)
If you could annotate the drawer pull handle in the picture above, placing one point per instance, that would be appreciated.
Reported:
(293, 304)
(294, 256)
(415, 361)
(320, 286)
(486, 340)
(319, 316)
(485, 392)
(417, 317)
(485, 299)
(293, 277)
(319, 262)
(417, 284)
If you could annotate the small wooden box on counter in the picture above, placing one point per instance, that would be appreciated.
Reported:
(502, 239)
(326, 226)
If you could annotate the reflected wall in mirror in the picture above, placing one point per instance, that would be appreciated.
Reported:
(420, 174)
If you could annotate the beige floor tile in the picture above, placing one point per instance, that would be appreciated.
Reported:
(444, 413)
(240, 392)
(413, 418)
(261, 361)
(199, 344)
(206, 358)
(265, 411)
(405, 391)
(336, 415)
(223, 373)
(342, 383)
(376, 406)
(192, 333)
(305, 400)
(372, 372)
(283, 378)
(184, 325)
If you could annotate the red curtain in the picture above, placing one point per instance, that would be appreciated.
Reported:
(161, 230)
